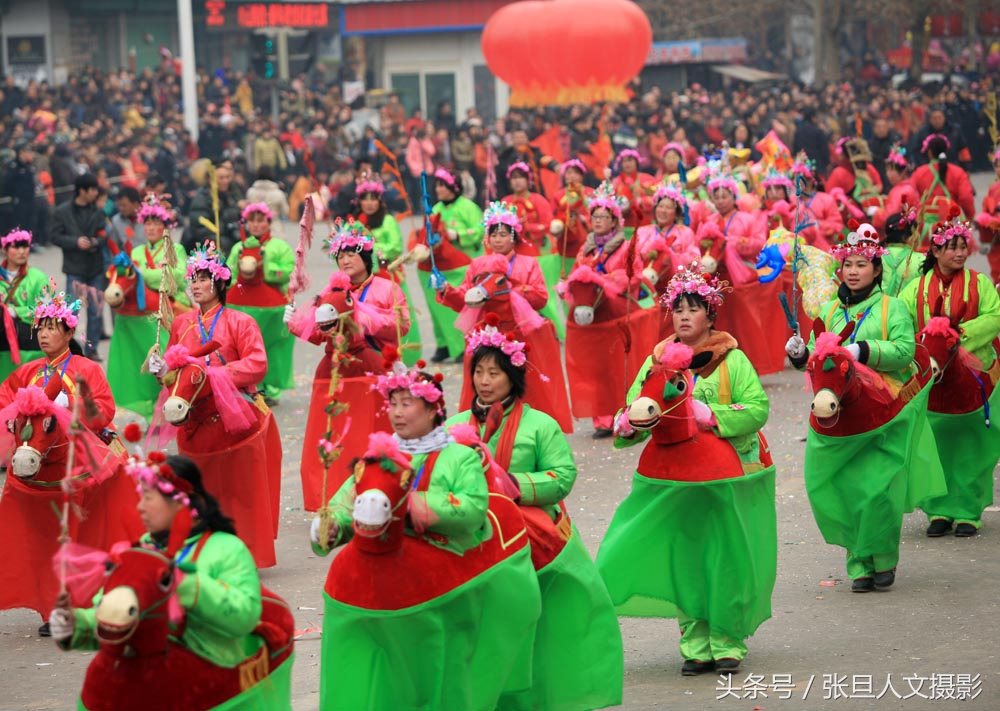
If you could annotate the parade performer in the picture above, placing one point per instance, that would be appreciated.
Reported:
(262, 266)
(576, 666)
(461, 219)
(20, 287)
(635, 188)
(941, 183)
(373, 213)
(134, 293)
(510, 286)
(602, 294)
(869, 453)
(901, 264)
(856, 177)
(220, 640)
(446, 621)
(55, 320)
(570, 219)
(731, 240)
(817, 207)
(988, 222)
(211, 369)
(968, 450)
(901, 189)
(356, 328)
(704, 484)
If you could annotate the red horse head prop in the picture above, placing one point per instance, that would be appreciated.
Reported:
(960, 385)
(382, 483)
(127, 291)
(659, 263)
(491, 293)
(446, 254)
(40, 426)
(591, 296)
(187, 377)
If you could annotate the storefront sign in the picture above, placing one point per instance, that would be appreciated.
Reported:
(708, 51)
(221, 15)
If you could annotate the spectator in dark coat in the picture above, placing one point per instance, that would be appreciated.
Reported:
(19, 185)
(230, 206)
(937, 122)
(809, 137)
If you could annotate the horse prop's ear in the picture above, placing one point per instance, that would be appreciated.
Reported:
(204, 350)
(938, 305)
(180, 529)
(53, 388)
(818, 327)
(846, 331)
(959, 316)
(700, 360)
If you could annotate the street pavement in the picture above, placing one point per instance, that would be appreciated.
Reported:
(931, 639)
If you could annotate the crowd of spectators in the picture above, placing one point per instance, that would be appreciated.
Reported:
(126, 129)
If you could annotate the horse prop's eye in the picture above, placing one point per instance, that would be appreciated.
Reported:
(11, 426)
(48, 424)
(197, 375)
(681, 385)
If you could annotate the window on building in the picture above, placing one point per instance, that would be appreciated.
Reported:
(440, 87)
(486, 91)
(408, 88)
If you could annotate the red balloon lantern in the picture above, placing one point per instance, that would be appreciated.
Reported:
(560, 52)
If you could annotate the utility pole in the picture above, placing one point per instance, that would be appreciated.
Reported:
(189, 93)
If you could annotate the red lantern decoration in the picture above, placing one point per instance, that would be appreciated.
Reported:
(561, 52)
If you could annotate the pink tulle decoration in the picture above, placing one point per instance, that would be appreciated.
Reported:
(339, 280)
(177, 356)
(299, 279)
(940, 326)
(420, 513)
(236, 412)
(85, 569)
(738, 270)
(676, 356)
(383, 445)
(175, 612)
(827, 344)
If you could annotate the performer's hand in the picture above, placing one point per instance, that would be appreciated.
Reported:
(854, 349)
(438, 282)
(622, 428)
(795, 347)
(62, 399)
(11, 310)
(985, 247)
(314, 532)
(289, 314)
(452, 235)
(156, 365)
(62, 621)
(703, 415)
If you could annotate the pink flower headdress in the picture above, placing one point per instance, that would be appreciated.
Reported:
(427, 388)
(205, 258)
(153, 472)
(804, 166)
(153, 208)
(449, 179)
(260, 207)
(501, 213)
(694, 280)
(862, 241)
(369, 183)
(954, 227)
(925, 146)
(350, 235)
(572, 163)
(489, 335)
(605, 197)
(56, 306)
(778, 179)
(523, 167)
(724, 181)
(15, 236)
(897, 156)
(670, 192)
(672, 146)
(628, 153)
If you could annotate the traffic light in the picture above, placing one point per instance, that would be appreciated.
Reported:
(264, 57)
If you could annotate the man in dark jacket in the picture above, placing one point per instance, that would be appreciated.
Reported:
(230, 207)
(937, 122)
(809, 137)
(882, 141)
(19, 185)
(78, 228)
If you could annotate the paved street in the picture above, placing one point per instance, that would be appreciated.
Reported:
(941, 617)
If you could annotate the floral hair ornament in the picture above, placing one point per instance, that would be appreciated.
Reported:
(695, 280)
(572, 163)
(862, 241)
(907, 215)
(675, 147)
(488, 335)
(152, 471)
(953, 228)
(205, 258)
(724, 181)
(58, 307)
(448, 178)
(804, 166)
(604, 196)
(260, 207)
(501, 213)
(419, 384)
(153, 208)
(777, 179)
(15, 237)
(628, 153)
(369, 183)
(925, 146)
(670, 192)
(351, 236)
(897, 156)
(521, 166)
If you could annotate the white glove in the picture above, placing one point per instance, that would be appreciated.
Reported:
(703, 415)
(289, 314)
(438, 282)
(985, 247)
(795, 347)
(156, 365)
(62, 399)
(452, 234)
(314, 531)
(62, 622)
(11, 310)
(854, 349)
(872, 210)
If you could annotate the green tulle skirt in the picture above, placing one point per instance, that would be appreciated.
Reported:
(278, 343)
(131, 340)
(443, 318)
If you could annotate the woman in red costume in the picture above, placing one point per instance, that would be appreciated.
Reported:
(546, 389)
(570, 219)
(533, 211)
(817, 207)
(855, 175)
(940, 184)
(244, 474)
(902, 191)
(988, 222)
(635, 188)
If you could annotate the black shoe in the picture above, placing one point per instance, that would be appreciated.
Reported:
(44, 630)
(965, 530)
(105, 336)
(95, 356)
(692, 667)
(938, 528)
(863, 585)
(884, 580)
(440, 355)
(601, 433)
(460, 359)
(727, 665)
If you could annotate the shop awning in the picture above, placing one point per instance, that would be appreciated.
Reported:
(747, 74)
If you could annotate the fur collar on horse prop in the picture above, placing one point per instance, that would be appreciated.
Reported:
(102, 502)
(850, 398)
(139, 623)
(960, 384)
(683, 446)
(127, 292)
